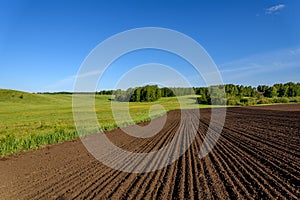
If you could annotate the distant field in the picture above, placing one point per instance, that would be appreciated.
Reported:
(28, 121)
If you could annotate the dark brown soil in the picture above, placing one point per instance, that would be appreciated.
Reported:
(283, 107)
(256, 157)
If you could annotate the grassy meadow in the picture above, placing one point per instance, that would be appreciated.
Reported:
(28, 121)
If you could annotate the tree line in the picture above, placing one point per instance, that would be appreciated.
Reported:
(239, 94)
(146, 93)
(218, 94)
(149, 93)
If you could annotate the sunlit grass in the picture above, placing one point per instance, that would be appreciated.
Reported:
(28, 121)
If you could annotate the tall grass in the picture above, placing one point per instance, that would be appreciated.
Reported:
(36, 120)
(11, 144)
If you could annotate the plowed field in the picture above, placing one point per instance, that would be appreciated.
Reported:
(256, 157)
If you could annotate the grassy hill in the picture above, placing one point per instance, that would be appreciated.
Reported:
(14, 96)
(28, 121)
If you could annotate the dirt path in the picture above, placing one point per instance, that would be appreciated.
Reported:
(257, 156)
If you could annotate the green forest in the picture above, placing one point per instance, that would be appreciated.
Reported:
(234, 94)
(248, 95)
(149, 93)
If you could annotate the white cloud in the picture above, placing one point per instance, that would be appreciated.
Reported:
(250, 66)
(88, 74)
(277, 65)
(274, 9)
(67, 83)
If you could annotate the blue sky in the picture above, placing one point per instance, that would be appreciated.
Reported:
(43, 43)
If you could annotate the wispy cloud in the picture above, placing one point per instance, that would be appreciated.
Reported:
(274, 9)
(66, 84)
(250, 66)
(88, 74)
(277, 66)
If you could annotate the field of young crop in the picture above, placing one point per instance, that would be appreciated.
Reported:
(28, 121)
(256, 157)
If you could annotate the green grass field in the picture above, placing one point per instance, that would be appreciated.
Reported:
(29, 121)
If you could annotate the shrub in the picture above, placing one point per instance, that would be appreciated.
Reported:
(233, 101)
(203, 100)
(294, 99)
(264, 101)
(244, 101)
(280, 100)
